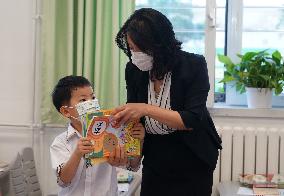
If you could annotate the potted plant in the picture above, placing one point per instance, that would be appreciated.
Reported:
(258, 73)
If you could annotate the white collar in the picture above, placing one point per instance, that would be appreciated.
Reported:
(71, 132)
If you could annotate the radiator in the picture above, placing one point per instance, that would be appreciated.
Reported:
(253, 150)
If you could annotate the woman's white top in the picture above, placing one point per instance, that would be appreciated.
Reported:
(98, 180)
(162, 100)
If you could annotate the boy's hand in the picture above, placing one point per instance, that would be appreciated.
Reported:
(138, 131)
(84, 146)
(118, 157)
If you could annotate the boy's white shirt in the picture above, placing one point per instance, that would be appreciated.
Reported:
(98, 180)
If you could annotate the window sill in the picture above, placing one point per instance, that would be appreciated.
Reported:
(222, 110)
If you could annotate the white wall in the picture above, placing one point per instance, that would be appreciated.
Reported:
(16, 62)
(16, 77)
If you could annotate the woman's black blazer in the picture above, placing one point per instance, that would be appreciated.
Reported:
(189, 90)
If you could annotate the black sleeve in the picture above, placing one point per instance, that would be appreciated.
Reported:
(196, 87)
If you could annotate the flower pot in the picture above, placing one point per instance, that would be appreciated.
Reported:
(259, 97)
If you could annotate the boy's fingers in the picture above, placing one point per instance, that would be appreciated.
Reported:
(87, 151)
(84, 139)
(112, 154)
(121, 160)
(137, 128)
(87, 148)
(87, 143)
(136, 135)
(138, 125)
(111, 157)
(122, 154)
(137, 131)
(117, 154)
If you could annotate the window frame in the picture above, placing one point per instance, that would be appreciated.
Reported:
(210, 47)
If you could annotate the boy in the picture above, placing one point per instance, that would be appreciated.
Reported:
(68, 149)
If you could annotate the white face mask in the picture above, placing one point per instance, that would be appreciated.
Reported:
(86, 106)
(142, 60)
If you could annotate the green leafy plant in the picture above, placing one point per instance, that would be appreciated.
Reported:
(256, 70)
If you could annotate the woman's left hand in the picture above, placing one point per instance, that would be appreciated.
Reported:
(128, 112)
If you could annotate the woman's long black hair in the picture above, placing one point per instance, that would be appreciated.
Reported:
(153, 34)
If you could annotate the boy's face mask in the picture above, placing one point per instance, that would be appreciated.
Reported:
(143, 61)
(86, 106)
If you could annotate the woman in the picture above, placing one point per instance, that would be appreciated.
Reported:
(167, 88)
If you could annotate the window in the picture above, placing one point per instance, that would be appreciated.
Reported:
(259, 25)
(236, 30)
(189, 21)
(187, 17)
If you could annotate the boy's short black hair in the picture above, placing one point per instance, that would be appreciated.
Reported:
(62, 91)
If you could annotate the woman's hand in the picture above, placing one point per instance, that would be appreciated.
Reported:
(118, 157)
(129, 112)
(84, 146)
(138, 131)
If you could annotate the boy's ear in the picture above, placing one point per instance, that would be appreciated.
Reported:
(65, 112)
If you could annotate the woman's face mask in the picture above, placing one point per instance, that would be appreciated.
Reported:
(142, 60)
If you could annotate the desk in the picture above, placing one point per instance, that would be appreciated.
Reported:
(230, 189)
(133, 187)
(4, 181)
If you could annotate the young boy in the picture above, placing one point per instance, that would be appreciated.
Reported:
(68, 149)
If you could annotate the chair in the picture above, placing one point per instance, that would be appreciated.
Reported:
(17, 179)
(23, 176)
(33, 186)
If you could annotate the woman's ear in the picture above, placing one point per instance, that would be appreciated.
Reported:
(64, 111)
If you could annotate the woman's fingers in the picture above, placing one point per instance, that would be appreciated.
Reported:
(117, 110)
(123, 117)
(118, 115)
(126, 118)
(126, 113)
